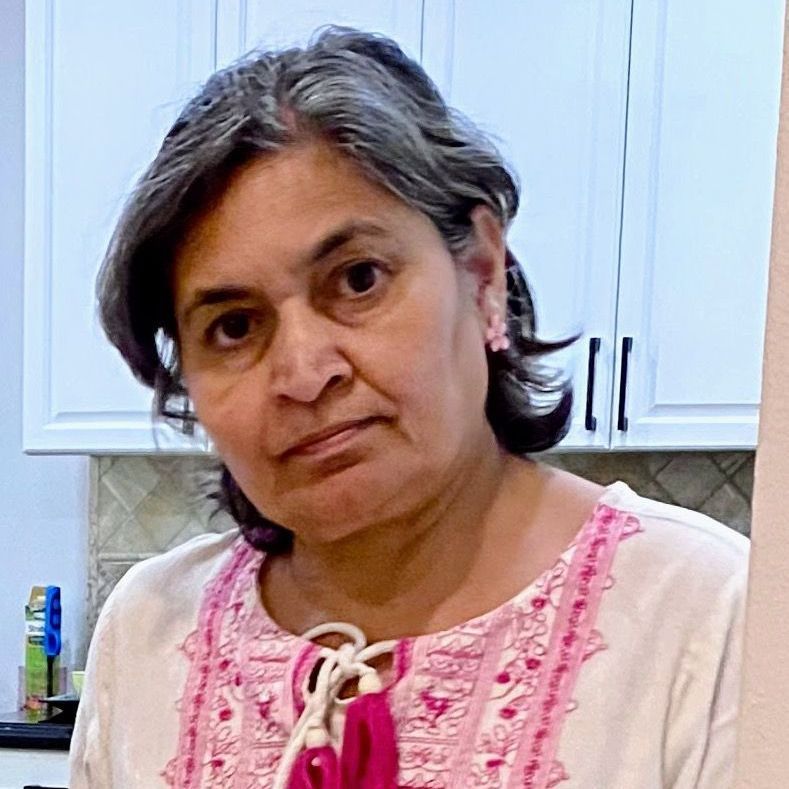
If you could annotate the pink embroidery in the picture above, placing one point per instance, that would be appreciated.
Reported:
(480, 705)
(577, 611)
(231, 716)
(202, 680)
(509, 688)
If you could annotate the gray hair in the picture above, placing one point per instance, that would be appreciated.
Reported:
(360, 93)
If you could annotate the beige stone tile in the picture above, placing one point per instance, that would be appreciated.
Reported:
(656, 461)
(598, 467)
(110, 514)
(729, 462)
(195, 528)
(730, 507)
(743, 478)
(105, 463)
(690, 479)
(131, 536)
(163, 518)
(637, 471)
(131, 481)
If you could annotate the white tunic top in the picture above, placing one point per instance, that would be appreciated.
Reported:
(617, 668)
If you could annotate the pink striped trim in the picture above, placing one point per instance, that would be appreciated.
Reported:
(481, 695)
(402, 659)
(575, 618)
(200, 683)
(305, 662)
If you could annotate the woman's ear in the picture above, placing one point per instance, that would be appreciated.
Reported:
(485, 261)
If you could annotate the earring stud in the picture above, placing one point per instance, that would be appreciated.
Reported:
(496, 335)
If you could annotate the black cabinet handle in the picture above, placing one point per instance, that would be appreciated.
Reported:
(627, 347)
(594, 348)
(187, 425)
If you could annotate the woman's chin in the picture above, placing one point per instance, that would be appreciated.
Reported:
(343, 503)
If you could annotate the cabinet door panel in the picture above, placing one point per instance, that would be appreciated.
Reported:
(245, 24)
(104, 82)
(702, 126)
(549, 80)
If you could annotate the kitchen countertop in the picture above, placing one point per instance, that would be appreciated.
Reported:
(18, 733)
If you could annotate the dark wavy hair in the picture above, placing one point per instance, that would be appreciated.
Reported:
(360, 93)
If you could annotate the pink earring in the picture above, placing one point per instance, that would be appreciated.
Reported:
(496, 334)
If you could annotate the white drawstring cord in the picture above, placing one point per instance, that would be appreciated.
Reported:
(339, 665)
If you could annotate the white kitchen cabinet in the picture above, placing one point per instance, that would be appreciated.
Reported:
(550, 81)
(679, 315)
(701, 137)
(645, 146)
(243, 25)
(104, 81)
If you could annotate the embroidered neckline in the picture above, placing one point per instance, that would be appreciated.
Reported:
(488, 619)
(483, 701)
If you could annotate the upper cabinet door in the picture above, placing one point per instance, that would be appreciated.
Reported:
(701, 137)
(104, 81)
(243, 25)
(549, 80)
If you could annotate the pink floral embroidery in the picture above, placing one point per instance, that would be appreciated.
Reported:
(480, 705)
(577, 610)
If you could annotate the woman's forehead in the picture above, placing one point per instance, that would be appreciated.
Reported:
(289, 211)
(308, 177)
(295, 199)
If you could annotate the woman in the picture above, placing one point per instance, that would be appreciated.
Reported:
(317, 259)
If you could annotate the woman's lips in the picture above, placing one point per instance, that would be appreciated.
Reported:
(333, 443)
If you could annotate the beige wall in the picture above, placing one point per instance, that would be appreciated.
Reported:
(763, 758)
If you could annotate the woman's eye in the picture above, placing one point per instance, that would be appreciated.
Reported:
(359, 278)
(229, 329)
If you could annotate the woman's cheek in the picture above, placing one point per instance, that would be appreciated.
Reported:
(218, 403)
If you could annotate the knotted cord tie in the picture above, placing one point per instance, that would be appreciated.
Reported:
(310, 743)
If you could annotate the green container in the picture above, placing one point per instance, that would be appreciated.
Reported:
(35, 657)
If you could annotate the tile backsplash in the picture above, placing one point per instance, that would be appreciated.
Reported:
(143, 505)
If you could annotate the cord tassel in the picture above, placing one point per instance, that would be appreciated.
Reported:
(309, 761)
(369, 749)
(315, 768)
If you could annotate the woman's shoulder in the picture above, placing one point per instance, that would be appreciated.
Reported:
(178, 576)
(680, 530)
(679, 548)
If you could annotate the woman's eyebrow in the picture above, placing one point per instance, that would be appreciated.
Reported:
(207, 296)
(337, 238)
(343, 235)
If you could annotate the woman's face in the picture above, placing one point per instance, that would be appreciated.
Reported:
(308, 298)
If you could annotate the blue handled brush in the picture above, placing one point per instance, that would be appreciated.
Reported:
(52, 641)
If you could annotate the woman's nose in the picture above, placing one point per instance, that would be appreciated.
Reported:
(304, 358)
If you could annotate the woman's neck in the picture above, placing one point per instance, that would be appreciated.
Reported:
(416, 574)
